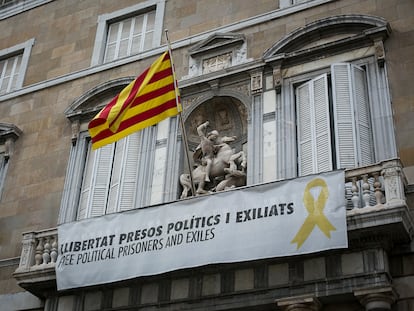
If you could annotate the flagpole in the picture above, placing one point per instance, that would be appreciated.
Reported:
(180, 117)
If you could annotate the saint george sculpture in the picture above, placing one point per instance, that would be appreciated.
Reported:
(217, 166)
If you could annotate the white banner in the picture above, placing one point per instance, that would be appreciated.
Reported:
(284, 218)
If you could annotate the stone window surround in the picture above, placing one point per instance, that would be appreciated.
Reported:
(230, 45)
(82, 110)
(292, 53)
(105, 19)
(9, 133)
(17, 7)
(24, 49)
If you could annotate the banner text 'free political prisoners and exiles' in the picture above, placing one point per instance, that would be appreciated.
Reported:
(285, 218)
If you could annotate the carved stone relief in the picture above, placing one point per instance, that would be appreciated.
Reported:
(221, 123)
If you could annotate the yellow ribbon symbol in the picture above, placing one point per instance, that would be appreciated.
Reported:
(315, 210)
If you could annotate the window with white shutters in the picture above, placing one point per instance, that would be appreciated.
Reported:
(13, 65)
(129, 31)
(314, 138)
(334, 131)
(110, 178)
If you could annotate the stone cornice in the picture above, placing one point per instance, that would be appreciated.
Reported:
(183, 43)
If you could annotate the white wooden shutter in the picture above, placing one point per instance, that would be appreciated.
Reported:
(362, 117)
(86, 184)
(116, 178)
(130, 167)
(102, 175)
(314, 139)
(94, 191)
(343, 107)
(354, 144)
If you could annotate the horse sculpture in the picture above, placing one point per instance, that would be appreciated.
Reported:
(224, 168)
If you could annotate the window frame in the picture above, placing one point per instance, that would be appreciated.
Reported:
(105, 20)
(9, 133)
(17, 7)
(384, 146)
(23, 49)
(161, 139)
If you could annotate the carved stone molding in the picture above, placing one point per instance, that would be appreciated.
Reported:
(277, 77)
(75, 131)
(8, 135)
(299, 303)
(217, 52)
(256, 82)
(379, 52)
(295, 48)
(394, 184)
(376, 298)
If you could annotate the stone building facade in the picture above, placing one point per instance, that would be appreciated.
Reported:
(305, 86)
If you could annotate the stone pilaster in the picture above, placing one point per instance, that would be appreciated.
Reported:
(376, 299)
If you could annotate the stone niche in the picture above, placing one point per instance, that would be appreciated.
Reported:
(228, 116)
(225, 114)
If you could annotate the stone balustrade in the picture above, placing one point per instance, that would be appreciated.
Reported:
(375, 186)
(378, 186)
(39, 250)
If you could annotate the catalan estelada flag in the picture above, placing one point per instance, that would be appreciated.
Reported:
(147, 100)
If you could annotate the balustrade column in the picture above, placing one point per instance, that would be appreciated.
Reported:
(377, 188)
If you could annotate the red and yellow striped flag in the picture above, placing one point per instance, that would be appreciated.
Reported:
(147, 100)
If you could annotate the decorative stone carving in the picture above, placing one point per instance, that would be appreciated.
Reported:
(277, 78)
(379, 52)
(26, 258)
(376, 298)
(217, 166)
(217, 52)
(394, 184)
(256, 84)
(8, 135)
(299, 303)
(75, 131)
(217, 62)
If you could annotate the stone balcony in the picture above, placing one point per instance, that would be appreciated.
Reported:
(377, 217)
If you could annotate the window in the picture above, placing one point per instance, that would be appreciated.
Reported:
(330, 97)
(128, 174)
(9, 73)
(13, 63)
(129, 31)
(130, 36)
(109, 181)
(133, 172)
(5, 2)
(12, 7)
(333, 121)
(136, 171)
